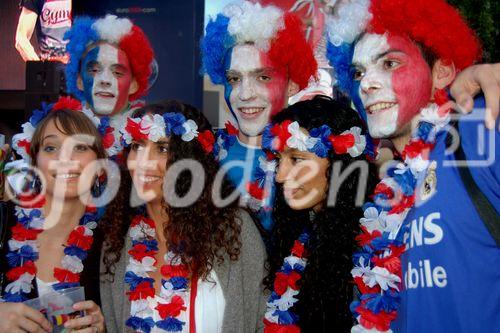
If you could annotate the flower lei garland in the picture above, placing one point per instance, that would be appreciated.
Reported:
(23, 251)
(274, 138)
(21, 142)
(279, 316)
(225, 139)
(109, 127)
(377, 271)
(174, 287)
(319, 141)
(153, 127)
(258, 190)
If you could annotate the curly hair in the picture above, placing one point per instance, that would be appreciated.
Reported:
(433, 23)
(326, 289)
(205, 233)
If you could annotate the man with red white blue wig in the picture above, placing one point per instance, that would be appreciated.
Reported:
(426, 259)
(109, 68)
(261, 57)
(110, 63)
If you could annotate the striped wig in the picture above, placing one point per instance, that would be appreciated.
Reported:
(121, 32)
(271, 30)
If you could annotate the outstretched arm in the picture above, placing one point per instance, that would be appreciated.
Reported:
(25, 28)
(471, 81)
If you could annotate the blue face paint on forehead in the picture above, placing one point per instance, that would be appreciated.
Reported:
(227, 87)
(340, 58)
(356, 99)
(87, 75)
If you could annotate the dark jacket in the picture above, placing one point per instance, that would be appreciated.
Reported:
(90, 275)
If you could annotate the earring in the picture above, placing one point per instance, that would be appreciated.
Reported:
(36, 184)
(99, 185)
(96, 188)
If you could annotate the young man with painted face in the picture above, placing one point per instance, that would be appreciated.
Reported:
(429, 260)
(109, 67)
(108, 71)
(261, 57)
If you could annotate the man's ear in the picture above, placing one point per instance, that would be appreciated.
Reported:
(292, 88)
(443, 74)
(79, 83)
(134, 86)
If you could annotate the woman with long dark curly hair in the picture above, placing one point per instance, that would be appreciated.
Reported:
(315, 214)
(178, 263)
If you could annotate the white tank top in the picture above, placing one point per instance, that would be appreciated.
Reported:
(44, 287)
(209, 307)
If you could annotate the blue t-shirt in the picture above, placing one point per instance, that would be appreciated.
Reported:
(451, 269)
(242, 164)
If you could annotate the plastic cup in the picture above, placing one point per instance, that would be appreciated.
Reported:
(59, 306)
(37, 304)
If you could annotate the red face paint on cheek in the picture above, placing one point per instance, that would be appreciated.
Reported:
(123, 83)
(276, 87)
(412, 81)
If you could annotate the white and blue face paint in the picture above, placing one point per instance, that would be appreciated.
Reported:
(107, 79)
(340, 57)
(227, 86)
(254, 89)
(394, 79)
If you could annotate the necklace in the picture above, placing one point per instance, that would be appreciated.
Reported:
(260, 187)
(225, 139)
(279, 316)
(109, 128)
(23, 251)
(175, 282)
(377, 271)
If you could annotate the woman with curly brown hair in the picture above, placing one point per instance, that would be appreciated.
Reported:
(178, 263)
(315, 142)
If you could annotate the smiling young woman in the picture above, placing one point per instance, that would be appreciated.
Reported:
(313, 240)
(178, 267)
(53, 242)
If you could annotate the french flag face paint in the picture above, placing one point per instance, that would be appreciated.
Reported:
(395, 82)
(106, 77)
(255, 90)
(412, 81)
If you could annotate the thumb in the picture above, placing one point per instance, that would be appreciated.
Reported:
(464, 103)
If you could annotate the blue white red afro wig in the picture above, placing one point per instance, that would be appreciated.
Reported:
(271, 30)
(432, 23)
(121, 32)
